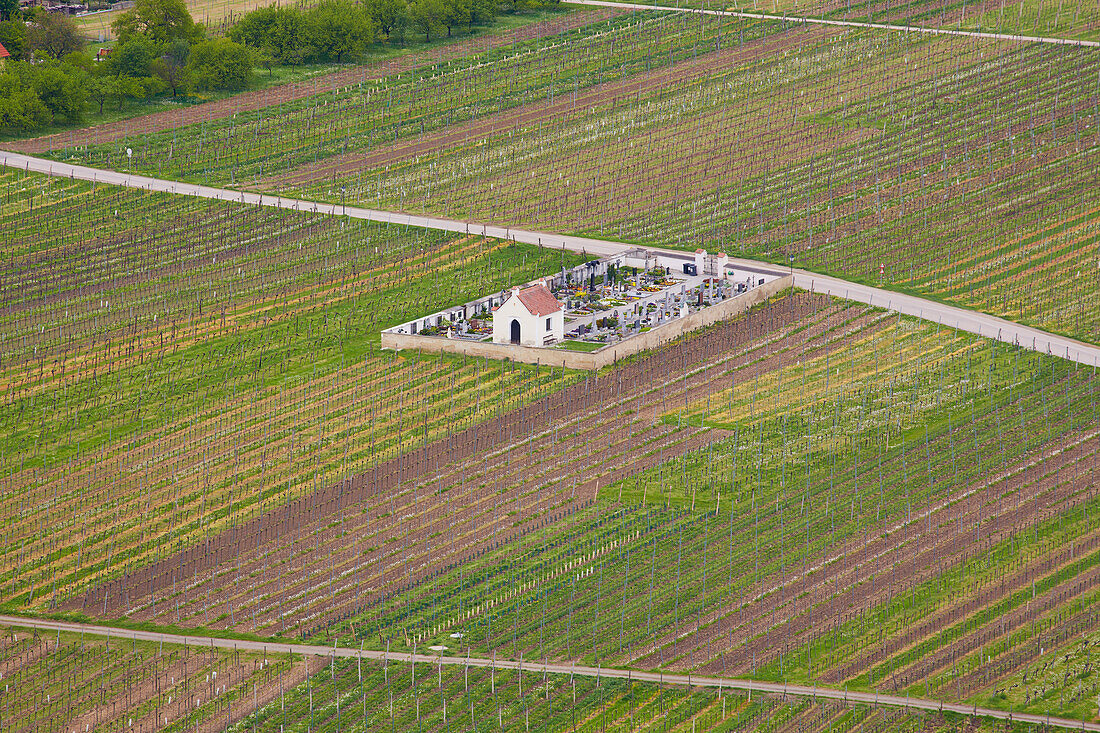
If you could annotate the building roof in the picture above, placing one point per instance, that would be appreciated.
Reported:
(538, 300)
(3, 52)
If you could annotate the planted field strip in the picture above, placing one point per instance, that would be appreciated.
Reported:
(730, 591)
(71, 682)
(419, 513)
(165, 381)
(101, 264)
(853, 415)
(851, 149)
(393, 696)
(399, 696)
(358, 117)
(1020, 603)
(316, 88)
(829, 707)
(1073, 19)
(1015, 676)
(514, 121)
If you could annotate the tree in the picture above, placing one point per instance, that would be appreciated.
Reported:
(100, 89)
(61, 89)
(13, 36)
(219, 64)
(482, 12)
(456, 13)
(171, 65)
(160, 21)
(278, 31)
(9, 9)
(427, 16)
(121, 88)
(132, 58)
(20, 108)
(54, 34)
(339, 30)
(391, 16)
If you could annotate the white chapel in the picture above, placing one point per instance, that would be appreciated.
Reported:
(530, 317)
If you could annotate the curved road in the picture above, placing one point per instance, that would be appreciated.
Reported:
(951, 316)
(866, 698)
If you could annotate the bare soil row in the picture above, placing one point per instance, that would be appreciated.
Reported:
(324, 556)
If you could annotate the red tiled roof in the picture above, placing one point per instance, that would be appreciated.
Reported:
(538, 300)
(3, 52)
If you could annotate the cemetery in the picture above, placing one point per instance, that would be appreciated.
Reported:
(594, 313)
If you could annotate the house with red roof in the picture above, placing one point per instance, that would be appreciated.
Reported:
(529, 316)
(3, 54)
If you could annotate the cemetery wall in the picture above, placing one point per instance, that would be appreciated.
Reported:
(597, 359)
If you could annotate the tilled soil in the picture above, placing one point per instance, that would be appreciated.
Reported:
(321, 557)
(905, 557)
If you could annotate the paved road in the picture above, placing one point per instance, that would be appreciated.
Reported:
(961, 318)
(848, 23)
(867, 698)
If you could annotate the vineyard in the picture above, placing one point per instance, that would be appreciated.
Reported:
(845, 171)
(398, 697)
(201, 434)
(69, 682)
(625, 129)
(55, 681)
(798, 561)
(201, 363)
(360, 112)
(533, 25)
(1068, 19)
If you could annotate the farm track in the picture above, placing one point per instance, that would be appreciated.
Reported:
(99, 683)
(467, 471)
(982, 324)
(260, 99)
(562, 668)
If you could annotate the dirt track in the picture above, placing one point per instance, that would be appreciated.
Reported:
(326, 653)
